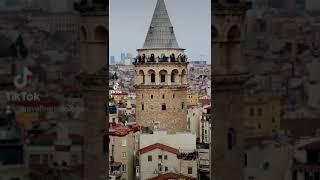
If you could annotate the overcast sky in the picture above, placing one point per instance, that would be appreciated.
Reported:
(130, 19)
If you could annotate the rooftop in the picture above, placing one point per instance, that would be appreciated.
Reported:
(160, 33)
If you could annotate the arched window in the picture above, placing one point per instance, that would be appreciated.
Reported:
(83, 34)
(174, 75)
(214, 32)
(100, 34)
(152, 75)
(231, 141)
(163, 74)
(141, 77)
(184, 76)
(234, 33)
(151, 96)
(162, 96)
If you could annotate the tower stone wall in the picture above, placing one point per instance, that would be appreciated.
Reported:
(229, 75)
(161, 80)
(94, 81)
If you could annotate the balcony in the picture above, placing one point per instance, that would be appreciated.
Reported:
(141, 60)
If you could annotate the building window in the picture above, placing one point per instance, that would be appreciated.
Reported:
(165, 157)
(182, 105)
(124, 168)
(173, 96)
(251, 112)
(113, 120)
(151, 96)
(124, 154)
(189, 170)
(124, 142)
(160, 156)
(163, 78)
(34, 159)
(163, 107)
(15, 178)
(260, 112)
(245, 159)
(165, 168)
(162, 96)
(231, 138)
(74, 159)
(142, 107)
(149, 158)
(45, 159)
(153, 78)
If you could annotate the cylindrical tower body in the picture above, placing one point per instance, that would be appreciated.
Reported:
(161, 77)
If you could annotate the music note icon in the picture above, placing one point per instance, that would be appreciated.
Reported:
(21, 80)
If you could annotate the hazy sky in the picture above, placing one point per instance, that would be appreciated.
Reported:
(130, 19)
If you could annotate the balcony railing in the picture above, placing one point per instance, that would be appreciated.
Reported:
(140, 60)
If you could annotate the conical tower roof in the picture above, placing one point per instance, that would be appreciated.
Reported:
(160, 34)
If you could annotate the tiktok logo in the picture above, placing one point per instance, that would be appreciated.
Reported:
(21, 80)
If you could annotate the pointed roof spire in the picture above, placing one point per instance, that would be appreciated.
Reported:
(160, 34)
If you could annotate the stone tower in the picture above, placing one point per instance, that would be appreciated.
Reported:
(230, 73)
(94, 80)
(161, 76)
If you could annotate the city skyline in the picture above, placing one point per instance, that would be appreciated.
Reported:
(127, 37)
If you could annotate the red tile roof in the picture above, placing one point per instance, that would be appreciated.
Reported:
(312, 146)
(300, 127)
(259, 141)
(158, 146)
(172, 176)
(48, 139)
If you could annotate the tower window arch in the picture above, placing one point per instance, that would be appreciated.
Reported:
(214, 32)
(152, 75)
(83, 33)
(141, 76)
(163, 74)
(231, 139)
(100, 34)
(234, 33)
(174, 75)
(184, 76)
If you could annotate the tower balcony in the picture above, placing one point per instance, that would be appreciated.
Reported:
(152, 60)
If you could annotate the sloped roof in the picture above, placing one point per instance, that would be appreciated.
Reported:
(160, 33)
(172, 175)
(158, 146)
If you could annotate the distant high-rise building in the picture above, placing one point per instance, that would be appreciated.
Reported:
(112, 60)
(123, 57)
(129, 55)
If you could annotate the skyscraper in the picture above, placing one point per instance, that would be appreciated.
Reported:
(161, 76)
(112, 60)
